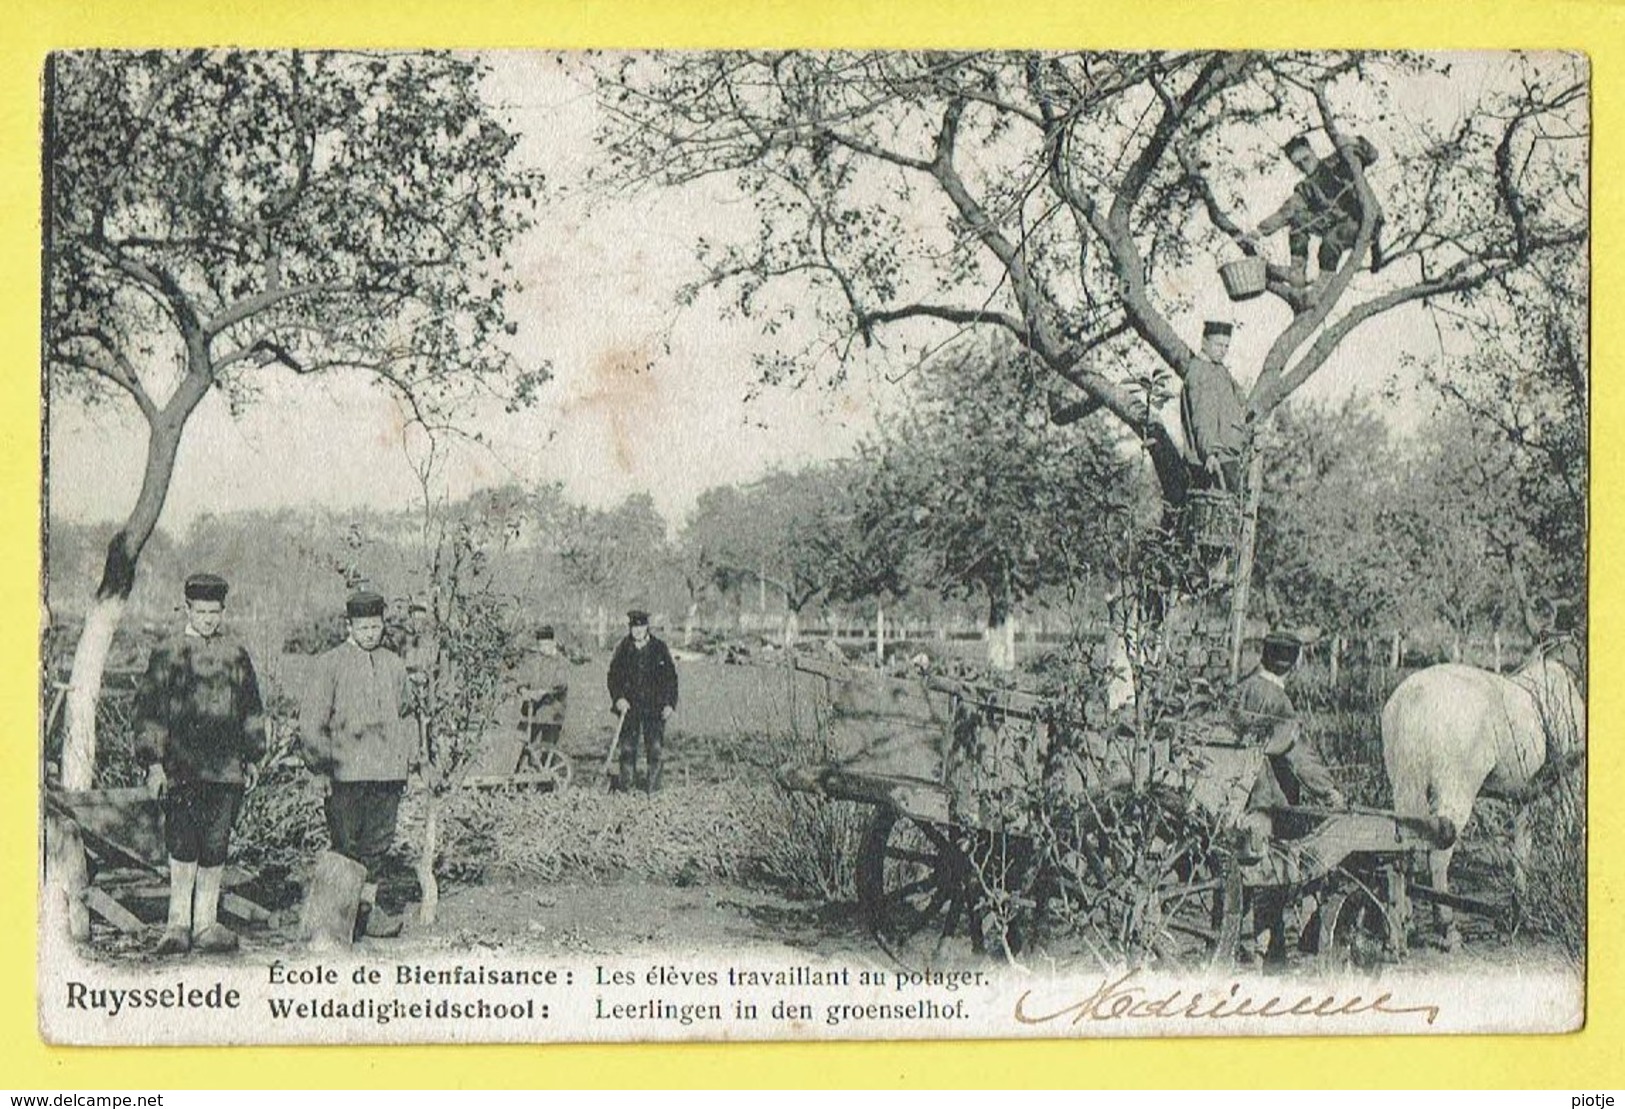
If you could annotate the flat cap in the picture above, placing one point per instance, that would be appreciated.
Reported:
(636, 616)
(545, 632)
(1295, 142)
(364, 603)
(1217, 327)
(206, 587)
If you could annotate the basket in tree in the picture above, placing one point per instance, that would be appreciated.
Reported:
(1244, 278)
(1213, 518)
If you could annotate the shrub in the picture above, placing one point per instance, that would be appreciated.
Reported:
(680, 834)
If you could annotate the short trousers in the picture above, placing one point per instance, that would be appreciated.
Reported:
(198, 817)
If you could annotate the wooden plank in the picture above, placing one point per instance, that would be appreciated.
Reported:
(102, 904)
(239, 906)
(1472, 905)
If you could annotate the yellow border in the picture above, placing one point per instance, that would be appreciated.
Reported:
(1593, 1059)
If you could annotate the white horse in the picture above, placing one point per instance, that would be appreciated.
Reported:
(1450, 732)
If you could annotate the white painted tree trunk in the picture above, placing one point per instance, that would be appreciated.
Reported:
(1397, 651)
(428, 851)
(1119, 672)
(85, 690)
(602, 629)
(1495, 643)
(1001, 644)
(792, 629)
(688, 625)
(1337, 657)
(880, 636)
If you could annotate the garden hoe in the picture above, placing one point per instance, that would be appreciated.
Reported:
(612, 766)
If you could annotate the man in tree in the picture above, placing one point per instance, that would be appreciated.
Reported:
(1214, 411)
(358, 740)
(643, 686)
(1324, 204)
(198, 725)
(543, 691)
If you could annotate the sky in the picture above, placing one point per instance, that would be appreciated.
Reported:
(646, 397)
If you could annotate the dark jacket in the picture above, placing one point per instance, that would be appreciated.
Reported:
(1293, 773)
(198, 710)
(646, 678)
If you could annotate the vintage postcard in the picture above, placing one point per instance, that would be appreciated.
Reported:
(799, 545)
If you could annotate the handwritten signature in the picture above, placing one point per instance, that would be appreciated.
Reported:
(1126, 1000)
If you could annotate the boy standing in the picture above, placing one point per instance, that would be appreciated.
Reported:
(199, 726)
(357, 737)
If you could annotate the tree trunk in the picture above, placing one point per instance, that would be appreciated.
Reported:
(688, 625)
(880, 636)
(428, 851)
(1001, 636)
(1119, 670)
(1495, 645)
(792, 629)
(101, 622)
(66, 879)
(1337, 658)
(1396, 652)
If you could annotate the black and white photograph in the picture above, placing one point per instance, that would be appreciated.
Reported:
(785, 545)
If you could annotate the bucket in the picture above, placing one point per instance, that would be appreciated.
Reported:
(1214, 518)
(1244, 278)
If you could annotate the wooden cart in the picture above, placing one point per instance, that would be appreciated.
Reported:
(954, 861)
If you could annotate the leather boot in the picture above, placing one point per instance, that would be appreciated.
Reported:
(208, 934)
(372, 920)
(654, 777)
(177, 937)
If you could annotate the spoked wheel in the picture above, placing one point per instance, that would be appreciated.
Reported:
(918, 891)
(1147, 882)
(551, 761)
(1352, 930)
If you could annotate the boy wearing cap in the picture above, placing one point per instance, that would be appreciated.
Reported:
(357, 737)
(643, 687)
(1325, 203)
(1214, 411)
(200, 729)
(1292, 774)
(543, 691)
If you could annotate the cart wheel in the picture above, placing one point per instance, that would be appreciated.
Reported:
(1352, 931)
(917, 891)
(550, 760)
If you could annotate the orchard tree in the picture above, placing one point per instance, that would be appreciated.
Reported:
(1335, 542)
(790, 531)
(612, 555)
(1519, 408)
(219, 219)
(974, 493)
(1069, 200)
